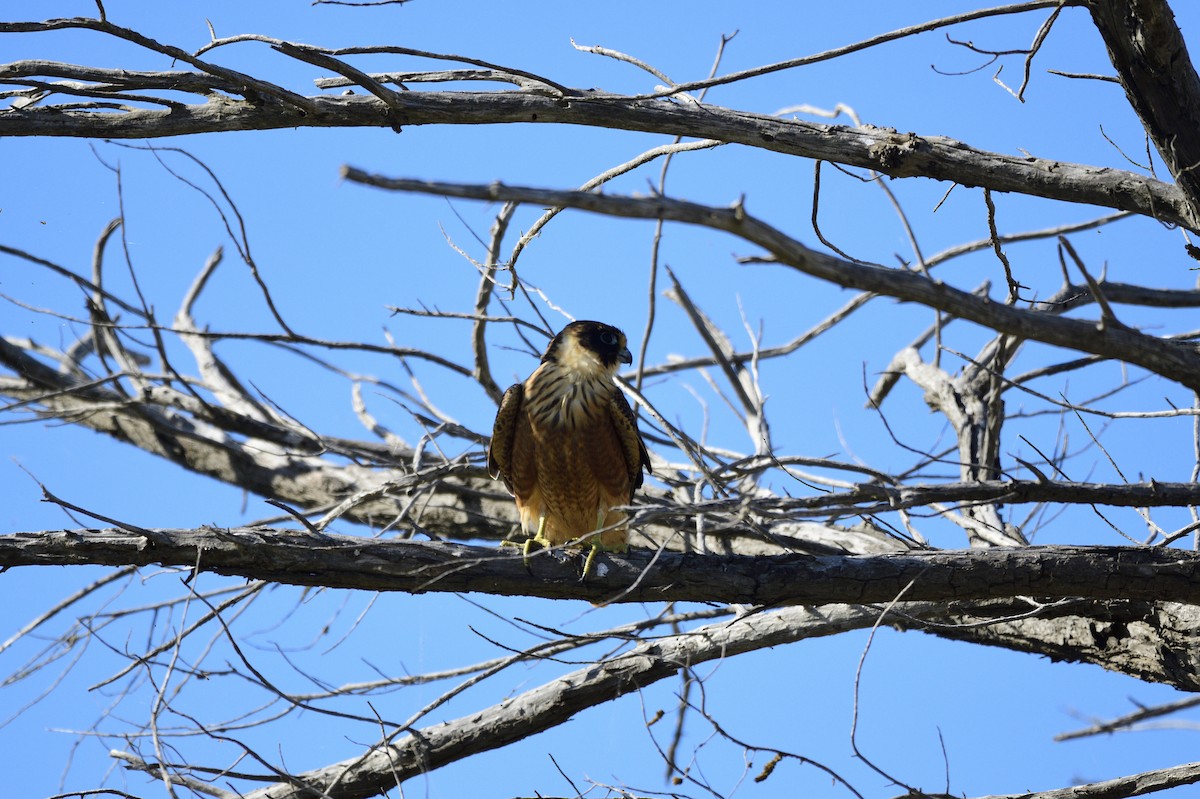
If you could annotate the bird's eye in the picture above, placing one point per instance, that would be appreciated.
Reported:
(609, 338)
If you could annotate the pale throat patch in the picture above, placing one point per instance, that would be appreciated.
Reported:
(581, 363)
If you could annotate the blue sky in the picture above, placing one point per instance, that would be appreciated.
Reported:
(338, 255)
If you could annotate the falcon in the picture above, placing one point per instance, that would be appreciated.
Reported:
(566, 442)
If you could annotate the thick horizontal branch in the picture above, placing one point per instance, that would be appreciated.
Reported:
(1126, 294)
(1176, 361)
(1128, 495)
(116, 80)
(881, 149)
(302, 558)
(871, 498)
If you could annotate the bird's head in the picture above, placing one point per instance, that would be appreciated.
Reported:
(589, 348)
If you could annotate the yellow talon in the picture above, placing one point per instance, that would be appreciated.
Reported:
(596, 544)
(593, 542)
(538, 540)
(587, 564)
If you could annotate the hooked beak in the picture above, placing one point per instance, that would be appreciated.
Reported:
(626, 356)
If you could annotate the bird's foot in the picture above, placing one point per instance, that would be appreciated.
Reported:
(595, 545)
(527, 546)
(532, 544)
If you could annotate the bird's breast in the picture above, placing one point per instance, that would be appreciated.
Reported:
(559, 399)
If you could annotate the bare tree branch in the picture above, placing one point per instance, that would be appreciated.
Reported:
(1173, 360)
(777, 546)
(553, 703)
(888, 152)
(350, 562)
(1134, 785)
(1161, 84)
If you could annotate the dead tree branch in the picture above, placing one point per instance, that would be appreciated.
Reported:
(1176, 361)
(1147, 49)
(298, 558)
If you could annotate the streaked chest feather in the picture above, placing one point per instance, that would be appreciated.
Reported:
(561, 398)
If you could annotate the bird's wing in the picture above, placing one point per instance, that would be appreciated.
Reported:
(512, 455)
(634, 449)
(499, 455)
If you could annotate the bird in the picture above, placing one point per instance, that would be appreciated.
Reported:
(566, 443)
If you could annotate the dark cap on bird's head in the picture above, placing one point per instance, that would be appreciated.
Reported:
(606, 342)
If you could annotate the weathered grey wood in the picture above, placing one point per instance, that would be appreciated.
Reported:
(380, 768)
(548, 705)
(1175, 360)
(1151, 58)
(899, 154)
(1140, 606)
(304, 558)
